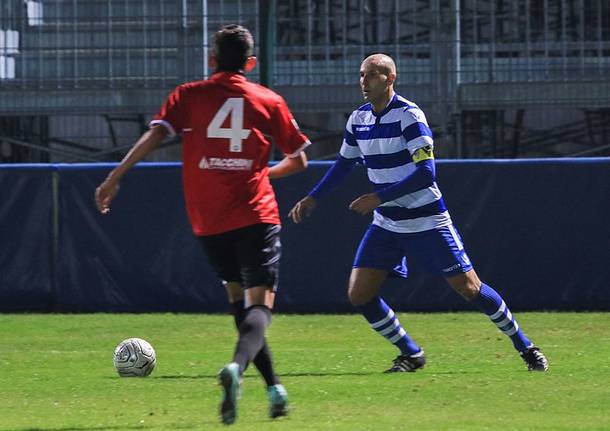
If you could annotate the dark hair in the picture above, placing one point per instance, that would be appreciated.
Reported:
(233, 44)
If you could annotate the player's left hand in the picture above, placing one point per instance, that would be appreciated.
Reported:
(104, 195)
(365, 203)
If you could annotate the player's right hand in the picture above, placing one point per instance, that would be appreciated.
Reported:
(104, 195)
(302, 209)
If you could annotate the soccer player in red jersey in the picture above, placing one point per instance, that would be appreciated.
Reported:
(227, 126)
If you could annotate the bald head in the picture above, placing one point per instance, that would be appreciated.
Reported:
(382, 62)
(377, 76)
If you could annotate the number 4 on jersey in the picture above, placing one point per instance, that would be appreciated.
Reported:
(234, 106)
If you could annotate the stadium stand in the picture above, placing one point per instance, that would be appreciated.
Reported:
(497, 78)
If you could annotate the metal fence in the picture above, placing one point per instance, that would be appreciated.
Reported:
(71, 44)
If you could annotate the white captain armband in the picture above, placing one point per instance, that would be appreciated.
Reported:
(422, 154)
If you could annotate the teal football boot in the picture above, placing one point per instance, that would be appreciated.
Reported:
(278, 401)
(230, 382)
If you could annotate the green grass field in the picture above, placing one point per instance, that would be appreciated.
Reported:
(56, 373)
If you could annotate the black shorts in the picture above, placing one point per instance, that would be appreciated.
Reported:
(249, 255)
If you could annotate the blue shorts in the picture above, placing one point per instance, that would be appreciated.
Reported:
(438, 251)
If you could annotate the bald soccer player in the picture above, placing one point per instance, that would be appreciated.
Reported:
(411, 223)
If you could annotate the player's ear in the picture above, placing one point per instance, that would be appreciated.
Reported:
(212, 62)
(391, 78)
(250, 64)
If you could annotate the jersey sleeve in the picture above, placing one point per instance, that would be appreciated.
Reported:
(286, 133)
(415, 130)
(172, 113)
(349, 147)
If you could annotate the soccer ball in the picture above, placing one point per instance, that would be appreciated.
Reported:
(134, 357)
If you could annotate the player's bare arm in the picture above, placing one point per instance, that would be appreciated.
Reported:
(302, 209)
(288, 166)
(365, 204)
(147, 143)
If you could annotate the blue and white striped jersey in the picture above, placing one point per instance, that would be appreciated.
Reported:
(386, 142)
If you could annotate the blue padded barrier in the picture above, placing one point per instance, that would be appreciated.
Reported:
(536, 230)
(141, 256)
(26, 238)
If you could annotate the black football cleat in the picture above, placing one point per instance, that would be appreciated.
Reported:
(408, 363)
(535, 359)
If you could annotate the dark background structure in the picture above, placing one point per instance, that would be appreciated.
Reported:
(496, 78)
(533, 229)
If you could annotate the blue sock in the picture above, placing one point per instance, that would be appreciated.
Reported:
(383, 320)
(492, 304)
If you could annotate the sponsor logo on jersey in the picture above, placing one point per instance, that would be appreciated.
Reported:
(363, 128)
(226, 164)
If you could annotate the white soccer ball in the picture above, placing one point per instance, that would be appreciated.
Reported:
(134, 357)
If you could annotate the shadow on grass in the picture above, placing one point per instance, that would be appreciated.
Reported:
(110, 428)
(329, 373)
(200, 425)
(297, 374)
(84, 428)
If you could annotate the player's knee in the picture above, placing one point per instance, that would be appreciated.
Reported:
(358, 296)
(471, 293)
(469, 290)
(364, 284)
(467, 285)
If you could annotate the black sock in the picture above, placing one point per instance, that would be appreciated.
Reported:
(252, 336)
(263, 360)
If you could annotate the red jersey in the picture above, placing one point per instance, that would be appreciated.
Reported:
(228, 125)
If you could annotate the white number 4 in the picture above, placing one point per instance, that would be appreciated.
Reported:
(234, 106)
